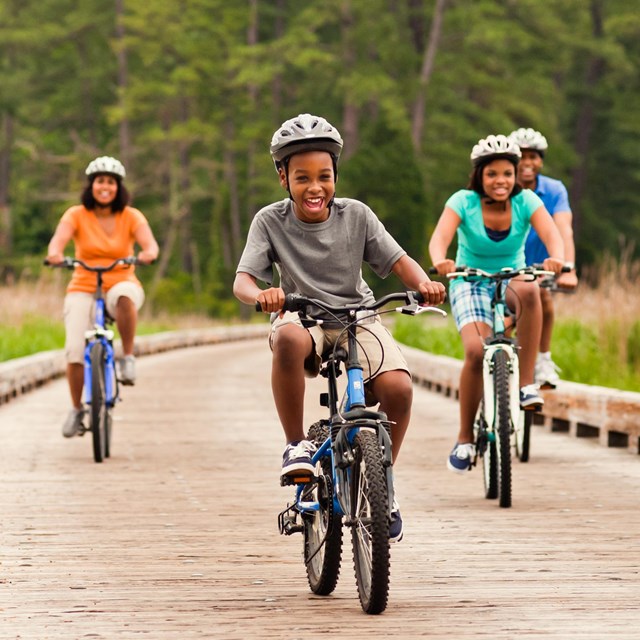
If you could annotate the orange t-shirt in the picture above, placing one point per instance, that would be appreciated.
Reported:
(97, 248)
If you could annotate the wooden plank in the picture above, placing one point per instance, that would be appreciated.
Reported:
(175, 536)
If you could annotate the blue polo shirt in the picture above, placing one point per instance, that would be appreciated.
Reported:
(555, 198)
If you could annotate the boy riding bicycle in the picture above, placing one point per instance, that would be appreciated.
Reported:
(317, 243)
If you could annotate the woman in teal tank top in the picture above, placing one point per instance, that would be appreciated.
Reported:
(492, 218)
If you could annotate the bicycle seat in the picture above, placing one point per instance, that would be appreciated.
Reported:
(340, 354)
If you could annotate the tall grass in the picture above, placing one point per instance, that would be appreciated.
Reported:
(31, 316)
(596, 338)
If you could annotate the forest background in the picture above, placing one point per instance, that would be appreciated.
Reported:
(188, 93)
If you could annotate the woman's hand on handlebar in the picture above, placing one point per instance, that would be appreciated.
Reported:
(54, 258)
(553, 264)
(443, 267)
(271, 300)
(146, 257)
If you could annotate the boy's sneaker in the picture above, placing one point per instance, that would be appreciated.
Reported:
(546, 372)
(461, 457)
(296, 461)
(128, 370)
(395, 525)
(530, 399)
(73, 423)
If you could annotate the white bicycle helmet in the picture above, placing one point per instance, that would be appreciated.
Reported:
(106, 164)
(305, 133)
(527, 138)
(493, 147)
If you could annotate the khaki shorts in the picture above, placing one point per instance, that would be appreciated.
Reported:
(382, 352)
(79, 314)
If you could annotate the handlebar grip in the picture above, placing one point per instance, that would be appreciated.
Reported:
(258, 307)
(432, 271)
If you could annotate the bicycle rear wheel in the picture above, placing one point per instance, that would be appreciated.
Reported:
(502, 426)
(322, 528)
(370, 523)
(523, 436)
(486, 444)
(99, 414)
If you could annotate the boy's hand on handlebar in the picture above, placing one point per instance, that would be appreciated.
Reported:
(432, 292)
(271, 300)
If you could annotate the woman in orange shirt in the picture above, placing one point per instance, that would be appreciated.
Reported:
(103, 228)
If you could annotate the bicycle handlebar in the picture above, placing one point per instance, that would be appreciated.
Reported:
(535, 271)
(71, 263)
(413, 304)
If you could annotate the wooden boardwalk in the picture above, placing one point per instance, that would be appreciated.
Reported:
(175, 536)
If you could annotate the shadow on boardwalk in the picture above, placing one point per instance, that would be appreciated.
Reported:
(175, 536)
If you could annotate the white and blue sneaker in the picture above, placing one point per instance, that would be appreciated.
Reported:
(530, 399)
(296, 461)
(395, 525)
(461, 457)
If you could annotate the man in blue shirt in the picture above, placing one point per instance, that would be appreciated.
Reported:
(556, 200)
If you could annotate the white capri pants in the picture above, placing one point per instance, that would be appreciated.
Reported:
(79, 315)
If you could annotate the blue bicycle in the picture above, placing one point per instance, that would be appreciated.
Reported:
(101, 389)
(353, 483)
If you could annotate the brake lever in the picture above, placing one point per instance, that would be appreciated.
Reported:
(416, 309)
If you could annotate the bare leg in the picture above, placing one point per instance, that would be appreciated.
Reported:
(394, 391)
(470, 391)
(525, 298)
(548, 317)
(75, 378)
(126, 319)
(291, 346)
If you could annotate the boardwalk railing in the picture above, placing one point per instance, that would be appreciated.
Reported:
(608, 415)
(23, 374)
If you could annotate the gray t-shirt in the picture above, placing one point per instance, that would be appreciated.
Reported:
(321, 260)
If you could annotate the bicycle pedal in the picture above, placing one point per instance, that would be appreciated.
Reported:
(287, 481)
(535, 408)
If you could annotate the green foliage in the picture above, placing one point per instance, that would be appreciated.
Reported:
(35, 334)
(200, 98)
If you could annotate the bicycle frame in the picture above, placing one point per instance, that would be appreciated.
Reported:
(100, 333)
(345, 422)
(499, 341)
(349, 417)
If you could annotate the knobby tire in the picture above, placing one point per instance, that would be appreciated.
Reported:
(487, 450)
(502, 426)
(99, 414)
(523, 437)
(323, 528)
(370, 515)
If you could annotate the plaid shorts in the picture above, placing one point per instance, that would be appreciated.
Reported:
(471, 301)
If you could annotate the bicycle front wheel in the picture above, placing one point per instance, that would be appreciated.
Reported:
(370, 523)
(99, 413)
(322, 528)
(502, 426)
